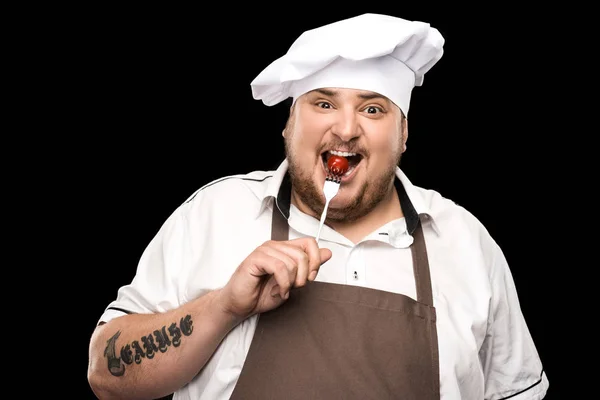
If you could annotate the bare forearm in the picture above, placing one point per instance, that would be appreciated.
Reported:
(151, 355)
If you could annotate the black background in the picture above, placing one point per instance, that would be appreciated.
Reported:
(160, 104)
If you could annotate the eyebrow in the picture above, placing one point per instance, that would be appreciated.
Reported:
(363, 95)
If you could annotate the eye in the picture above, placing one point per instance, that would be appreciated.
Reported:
(324, 104)
(373, 110)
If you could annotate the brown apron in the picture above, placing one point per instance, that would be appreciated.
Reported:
(333, 341)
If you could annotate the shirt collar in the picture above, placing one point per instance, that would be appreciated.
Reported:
(412, 202)
(280, 188)
(415, 201)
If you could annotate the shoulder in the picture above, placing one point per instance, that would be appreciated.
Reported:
(232, 198)
(453, 220)
(252, 185)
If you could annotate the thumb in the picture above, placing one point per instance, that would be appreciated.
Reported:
(325, 255)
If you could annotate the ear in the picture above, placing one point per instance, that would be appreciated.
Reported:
(289, 119)
(404, 128)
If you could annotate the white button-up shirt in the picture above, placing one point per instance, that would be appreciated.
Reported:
(486, 351)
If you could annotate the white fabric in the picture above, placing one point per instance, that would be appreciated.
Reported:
(386, 76)
(347, 45)
(486, 351)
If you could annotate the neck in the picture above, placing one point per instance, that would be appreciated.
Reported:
(387, 210)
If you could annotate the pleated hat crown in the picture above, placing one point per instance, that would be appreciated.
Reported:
(380, 53)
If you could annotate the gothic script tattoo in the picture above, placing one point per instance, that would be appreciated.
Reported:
(150, 345)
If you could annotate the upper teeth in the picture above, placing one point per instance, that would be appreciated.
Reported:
(341, 153)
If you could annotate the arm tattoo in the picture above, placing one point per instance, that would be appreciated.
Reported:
(159, 341)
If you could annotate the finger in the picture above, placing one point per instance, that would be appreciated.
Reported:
(275, 288)
(316, 256)
(273, 261)
(325, 255)
(260, 257)
(301, 260)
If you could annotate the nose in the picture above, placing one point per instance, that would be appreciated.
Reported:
(346, 125)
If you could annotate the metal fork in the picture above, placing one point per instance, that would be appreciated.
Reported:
(330, 189)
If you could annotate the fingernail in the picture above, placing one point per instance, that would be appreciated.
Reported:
(275, 291)
(312, 276)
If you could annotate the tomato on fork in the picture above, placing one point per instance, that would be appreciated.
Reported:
(337, 165)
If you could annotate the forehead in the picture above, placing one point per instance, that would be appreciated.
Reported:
(348, 93)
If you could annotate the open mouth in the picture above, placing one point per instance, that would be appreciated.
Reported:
(353, 159)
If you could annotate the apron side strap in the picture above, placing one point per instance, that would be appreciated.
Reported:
(279, 225)
(421, 267)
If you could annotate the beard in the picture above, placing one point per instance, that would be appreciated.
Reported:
(370, 194)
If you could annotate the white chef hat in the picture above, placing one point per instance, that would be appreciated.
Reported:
(379, 53)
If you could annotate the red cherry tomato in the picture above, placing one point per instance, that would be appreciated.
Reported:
(337, 165)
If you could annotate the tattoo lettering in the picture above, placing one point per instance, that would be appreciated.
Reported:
(186, 325)
(163, 339)
(149, 345)
(175, 334)
(159, 340)
(127, 354)
(114, 363)
(139, 353)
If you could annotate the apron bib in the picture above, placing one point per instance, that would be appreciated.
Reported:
(331, 341)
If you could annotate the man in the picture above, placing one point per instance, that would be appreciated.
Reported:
(405, 296)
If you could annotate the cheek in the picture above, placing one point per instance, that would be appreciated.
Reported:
(387, 147)
(309, 130)
(388, 141)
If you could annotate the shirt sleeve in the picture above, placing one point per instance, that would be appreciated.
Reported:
(511, 363)
(154, 287)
